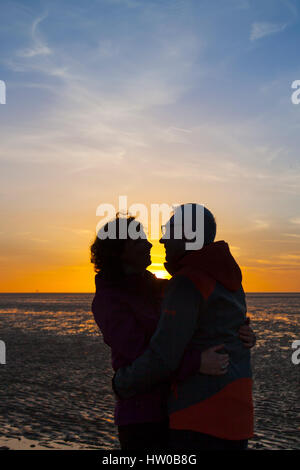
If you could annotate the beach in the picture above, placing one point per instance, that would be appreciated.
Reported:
(55, 388)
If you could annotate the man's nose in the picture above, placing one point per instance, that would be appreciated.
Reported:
(149, 244)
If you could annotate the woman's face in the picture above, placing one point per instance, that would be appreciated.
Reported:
(136, 254)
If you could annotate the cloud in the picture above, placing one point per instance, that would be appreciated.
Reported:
(260, 30)
(99, 111)
(39, 47)
(295, 220)
(260, 224)
(290, 258)
(125, 3)
(292, 235)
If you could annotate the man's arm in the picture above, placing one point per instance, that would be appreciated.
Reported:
(177, 324)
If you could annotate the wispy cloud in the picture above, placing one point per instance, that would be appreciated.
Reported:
(260, 30)
(290, 256)
(127, 3)
(261, 224)
(292, 235)
(96, 117)
(39, 46)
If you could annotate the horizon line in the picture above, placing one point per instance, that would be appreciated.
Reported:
(88, 292)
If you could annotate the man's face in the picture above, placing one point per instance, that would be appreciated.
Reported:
(174, 246)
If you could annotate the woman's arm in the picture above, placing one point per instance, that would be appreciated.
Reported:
(247, 335)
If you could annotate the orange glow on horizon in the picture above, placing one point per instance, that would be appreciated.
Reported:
(64, 266)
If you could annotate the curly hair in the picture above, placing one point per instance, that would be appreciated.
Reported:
(106, 254)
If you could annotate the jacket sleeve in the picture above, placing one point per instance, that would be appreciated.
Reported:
(190, 364)
(176, 327)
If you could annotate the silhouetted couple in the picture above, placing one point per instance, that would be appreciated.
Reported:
(180, 348)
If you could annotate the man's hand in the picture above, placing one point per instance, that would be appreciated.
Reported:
(247, 335)
(214, 363)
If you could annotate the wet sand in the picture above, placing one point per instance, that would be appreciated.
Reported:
(276, 321)
(55, 390)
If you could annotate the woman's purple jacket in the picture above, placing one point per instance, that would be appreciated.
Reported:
(127, 314)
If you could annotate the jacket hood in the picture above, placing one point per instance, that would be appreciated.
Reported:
(215, 260)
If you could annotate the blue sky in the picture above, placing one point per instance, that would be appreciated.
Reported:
(164, 101)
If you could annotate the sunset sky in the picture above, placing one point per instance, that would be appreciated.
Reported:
(164, 101)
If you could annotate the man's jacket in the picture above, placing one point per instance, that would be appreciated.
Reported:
(204, 305)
